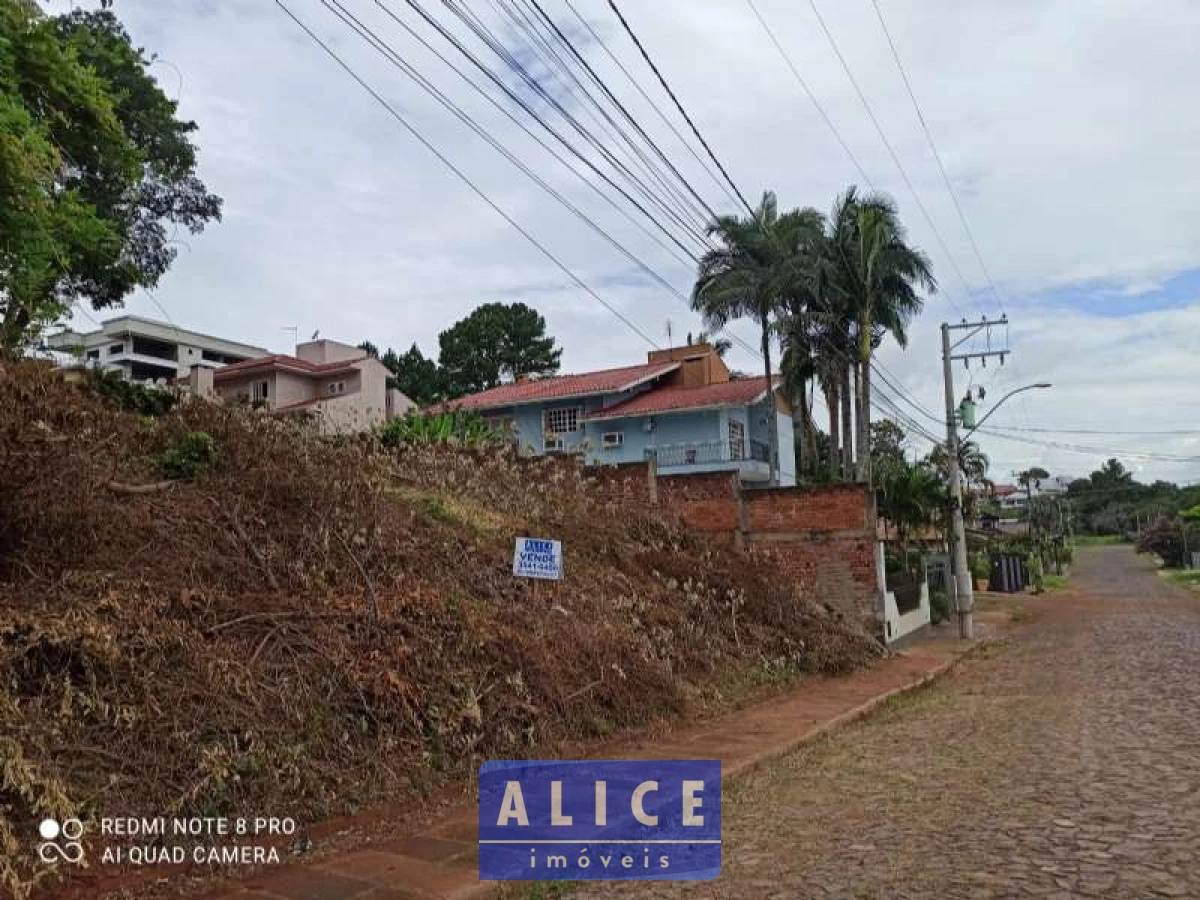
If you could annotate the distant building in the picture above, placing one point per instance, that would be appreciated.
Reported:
(344, 388)
(681, 407)
(148, 350)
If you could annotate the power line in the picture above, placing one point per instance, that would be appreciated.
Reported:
(381, 47)
(811, 96)
(408, 126)
(1099, 451)
(688, 260)
(679, 106)
(541, 39)
(707, 167)
(937, 156)
(1110, 432)
(497, 46)
(892, 152)
(520, 101)
(707, 210)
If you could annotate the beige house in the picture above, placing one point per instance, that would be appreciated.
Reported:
(344, 388)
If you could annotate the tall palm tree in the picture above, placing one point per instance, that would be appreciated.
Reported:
(876, 276)
(749, 273)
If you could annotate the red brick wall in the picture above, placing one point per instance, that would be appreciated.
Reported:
(829, 508)
(817, 536)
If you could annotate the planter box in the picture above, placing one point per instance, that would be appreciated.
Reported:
(981, 584)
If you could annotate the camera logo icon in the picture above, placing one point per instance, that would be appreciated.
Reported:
(61, 842)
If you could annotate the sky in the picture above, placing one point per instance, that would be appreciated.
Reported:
(1063, 127)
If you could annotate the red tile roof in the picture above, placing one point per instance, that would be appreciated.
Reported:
(283, 361)
(606, 381)
(741, 392)
(1003, 490)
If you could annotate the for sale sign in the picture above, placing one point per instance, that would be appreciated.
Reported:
(537, 558)
(600, 819)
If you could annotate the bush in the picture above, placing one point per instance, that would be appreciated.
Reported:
(132, 397)
(981, 566)
(189, 455)
(464, 428)
(1166, 539)
(939, 606)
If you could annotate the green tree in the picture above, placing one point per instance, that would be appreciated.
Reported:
(413, 374)
(94, 168)
(887, 446)
(875, 276)
(495, 343)
(754, 267)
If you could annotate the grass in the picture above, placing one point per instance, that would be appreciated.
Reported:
(1054, 582)
(1185, 577)
(540, 890)
(1099, 540)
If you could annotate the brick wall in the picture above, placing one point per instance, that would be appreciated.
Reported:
(817, 536)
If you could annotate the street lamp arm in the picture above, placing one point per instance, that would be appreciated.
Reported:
(1041, 385)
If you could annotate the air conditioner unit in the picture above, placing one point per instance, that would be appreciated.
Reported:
(612, 439)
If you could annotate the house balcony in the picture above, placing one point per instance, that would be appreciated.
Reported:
(748, 458)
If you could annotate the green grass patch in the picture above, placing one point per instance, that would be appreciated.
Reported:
(1099, 540)
(1185, 577)
(1054, 582)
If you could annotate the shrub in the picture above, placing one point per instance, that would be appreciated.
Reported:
(980, 566)
(939, 606)
(132, 397)
(1166, 539)
(189, 454)
(465, 428)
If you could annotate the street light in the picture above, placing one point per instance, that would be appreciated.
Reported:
(1041, 385)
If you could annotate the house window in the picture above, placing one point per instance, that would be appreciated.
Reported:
(553, 445)
(737, 440)
(93, 354)
(563, 421)
(337, 387)
(612, 439)
(114, 349)
(262, 390)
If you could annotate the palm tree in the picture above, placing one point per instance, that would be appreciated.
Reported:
(749, 273)
(720, 345)
(875, 275)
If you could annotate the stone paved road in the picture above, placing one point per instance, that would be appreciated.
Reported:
(1063, 762)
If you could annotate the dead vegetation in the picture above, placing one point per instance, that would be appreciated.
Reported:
(306, 625)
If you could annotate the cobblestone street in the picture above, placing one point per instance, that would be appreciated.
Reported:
(1063, 761)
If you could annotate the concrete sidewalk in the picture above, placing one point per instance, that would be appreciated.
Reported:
(442, 861)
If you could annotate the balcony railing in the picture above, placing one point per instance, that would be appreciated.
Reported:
(711, 452)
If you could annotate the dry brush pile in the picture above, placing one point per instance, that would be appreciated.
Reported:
(306, 625)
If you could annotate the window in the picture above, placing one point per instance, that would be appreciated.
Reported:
(93, 354)
(114, 349)
(553, 445)
(737, 440)
(612, 439)
(262, 390)
(562, 421)
(336, 387)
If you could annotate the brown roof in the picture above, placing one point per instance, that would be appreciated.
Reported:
(605, 381)
(741, 392)
(289, 363)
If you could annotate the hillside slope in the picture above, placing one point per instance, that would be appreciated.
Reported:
(307, 625)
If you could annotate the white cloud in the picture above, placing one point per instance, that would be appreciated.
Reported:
(1060, 123)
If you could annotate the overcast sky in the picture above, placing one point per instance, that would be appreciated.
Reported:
(1067, 130)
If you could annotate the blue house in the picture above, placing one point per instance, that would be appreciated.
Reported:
(681, 407)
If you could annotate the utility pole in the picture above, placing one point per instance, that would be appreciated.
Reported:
(964, 600)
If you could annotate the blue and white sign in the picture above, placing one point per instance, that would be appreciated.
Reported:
(627, 820)
(537, 558)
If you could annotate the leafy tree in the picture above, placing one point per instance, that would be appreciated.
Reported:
(495, 343)
(94, 168)
(414, 375)
(417, 376)
(876, 276)
(749, 274)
